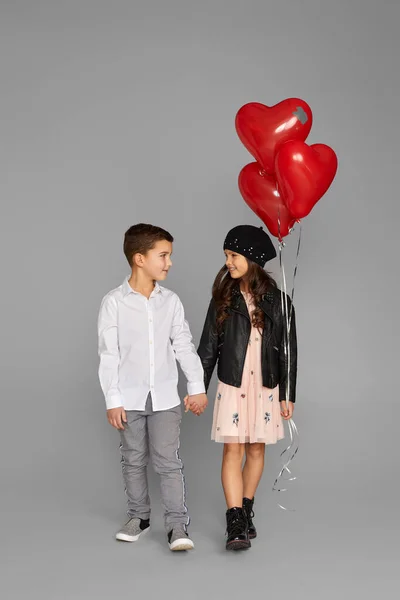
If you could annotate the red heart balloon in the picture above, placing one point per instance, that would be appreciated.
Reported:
(264, 129)
(260, 192)
(304, 173)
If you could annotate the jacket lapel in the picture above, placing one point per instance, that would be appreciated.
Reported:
(266, 305)
(238, 303)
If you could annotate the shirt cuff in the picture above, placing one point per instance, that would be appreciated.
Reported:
(196, 387)
(114, 402)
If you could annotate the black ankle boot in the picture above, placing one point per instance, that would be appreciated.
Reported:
(248, 509)
(236, 529)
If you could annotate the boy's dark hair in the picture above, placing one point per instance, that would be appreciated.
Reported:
(143, 237)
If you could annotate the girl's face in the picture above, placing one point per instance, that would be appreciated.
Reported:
(236, 264)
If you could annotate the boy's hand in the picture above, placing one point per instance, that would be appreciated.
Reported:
(287, 412)
(117, 416)
(191, 405)
(197, 403)
(201, 400)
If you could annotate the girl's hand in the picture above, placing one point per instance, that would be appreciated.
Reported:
(285, 412)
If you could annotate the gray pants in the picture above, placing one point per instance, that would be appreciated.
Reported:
(156, 435)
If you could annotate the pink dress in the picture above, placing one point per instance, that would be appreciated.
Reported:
(250, 413)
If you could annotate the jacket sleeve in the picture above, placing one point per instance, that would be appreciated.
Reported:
(208, 347)
(288, 357)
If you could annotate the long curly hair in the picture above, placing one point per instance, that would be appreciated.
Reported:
(259, 283)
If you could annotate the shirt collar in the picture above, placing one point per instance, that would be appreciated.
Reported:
(157, 288)
(126, 288)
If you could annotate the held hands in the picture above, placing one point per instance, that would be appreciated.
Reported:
(285, 412)
(116, 417)
(197, 403)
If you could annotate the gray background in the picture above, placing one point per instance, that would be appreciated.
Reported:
(117, 112)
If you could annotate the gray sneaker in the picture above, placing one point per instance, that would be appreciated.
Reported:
(178, 539)
(133, 529)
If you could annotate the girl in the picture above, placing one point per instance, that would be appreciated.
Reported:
(244, 331)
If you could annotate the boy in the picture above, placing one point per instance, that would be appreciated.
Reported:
(142, 331)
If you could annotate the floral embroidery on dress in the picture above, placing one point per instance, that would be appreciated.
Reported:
(271, 397)
(243, 395)
(219, 397)
(236, 419)
(267, 417)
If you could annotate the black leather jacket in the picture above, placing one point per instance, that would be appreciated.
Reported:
(230, 346)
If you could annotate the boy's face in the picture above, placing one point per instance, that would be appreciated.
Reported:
(236, 264)
(157, 261)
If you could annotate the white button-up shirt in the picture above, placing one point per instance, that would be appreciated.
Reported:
(139, 342)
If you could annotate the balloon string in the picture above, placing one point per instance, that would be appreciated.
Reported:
(293, 431)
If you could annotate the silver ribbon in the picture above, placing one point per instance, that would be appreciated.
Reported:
(293, 447)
